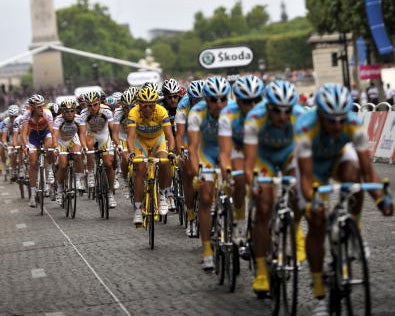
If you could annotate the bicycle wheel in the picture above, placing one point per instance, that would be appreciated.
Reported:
(72, 193)
(105, 188)
(21, 187)
(352, 273)
(231, 251)
(41, 189)
(284, 273)
(98, 192)
(151, 217)
(65, 195)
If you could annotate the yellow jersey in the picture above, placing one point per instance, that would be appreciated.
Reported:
(149, 127)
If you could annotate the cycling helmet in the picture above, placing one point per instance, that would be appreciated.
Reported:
(248, 87)
(281, 93)
(111, 101)
(128, 97)
(54, 107)
(117, 95)
(333, 99)
(68, 104)
(216, 87)
(170, 86)
(152, 85)
(36, 99)
(147, 95)
(195, 89)
(93, 96)
(102, 95)
(13, 110)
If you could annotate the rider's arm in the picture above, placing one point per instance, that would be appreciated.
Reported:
(24, 131)
(193, 142)
(225, 150)
(114, 134)
(180, 136)
(4, 137)
(169, 137)
(82, 135)
(250, 151)
(55, 137)
(131, 139)
(367, 172)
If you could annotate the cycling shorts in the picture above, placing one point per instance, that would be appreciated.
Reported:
(142, 145)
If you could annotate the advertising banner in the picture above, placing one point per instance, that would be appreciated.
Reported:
(375, 129)
(386, 145)
(225, 57)
(370, 72)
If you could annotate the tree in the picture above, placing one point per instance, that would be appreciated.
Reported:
(257, 17)
(238, 24)
(90, 28)
(347, 16)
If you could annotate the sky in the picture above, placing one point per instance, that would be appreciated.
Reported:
(140, 15)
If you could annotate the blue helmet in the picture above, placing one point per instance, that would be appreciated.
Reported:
(195, 89)
(281, 93)
(248, 87)
(216, 87)
(333, 99)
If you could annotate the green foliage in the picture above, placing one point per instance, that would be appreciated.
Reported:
(347, 16)
(257, 17)
(90, 28)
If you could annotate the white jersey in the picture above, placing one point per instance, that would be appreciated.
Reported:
(17, 124)
(67, 129)
(97, 124)
(121, 119)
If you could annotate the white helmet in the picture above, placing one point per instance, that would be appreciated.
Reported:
(13, 110)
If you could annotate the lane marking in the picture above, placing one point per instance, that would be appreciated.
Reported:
(2, 187)
(38, 273)
(21, 226)
(4, 193)
(55, 314)
(123, 308)
(28, 243)
(14, 211)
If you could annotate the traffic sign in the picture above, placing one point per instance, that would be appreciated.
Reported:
(225, 57)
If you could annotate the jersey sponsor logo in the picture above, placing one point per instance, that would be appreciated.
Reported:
(148, 129)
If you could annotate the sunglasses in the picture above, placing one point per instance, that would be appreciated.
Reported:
(69, 111)
(278, 110)
(147, 105)
(173, 96)
(335, 119)
(221, 99)
(250, 101)
(93, 104)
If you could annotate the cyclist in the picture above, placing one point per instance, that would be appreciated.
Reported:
(248, 91)
(171, 97)
(194, 95)
(269, 146)
(54, 108)
(204, 149)
(149, 128)
(37, 127)
(65, 136)
(7, 133)
(121, 130)
(81, 104)
(17, 141)
(331, 142)
(96, 125)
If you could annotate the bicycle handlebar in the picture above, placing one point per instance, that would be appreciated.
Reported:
(349, 187)
(149, 159)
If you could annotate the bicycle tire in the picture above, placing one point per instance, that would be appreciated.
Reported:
(98, 192)
(151, 216)
(42, 188)
(105, 189)
(285, 277)
(354, 289)
(21, 188)
(231, 252)
(66, 198)
(72, 194)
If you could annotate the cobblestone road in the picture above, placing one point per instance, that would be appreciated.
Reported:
(55, 266)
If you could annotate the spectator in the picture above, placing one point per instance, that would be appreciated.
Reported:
(355, 93)
(373, 93)
(389, 94)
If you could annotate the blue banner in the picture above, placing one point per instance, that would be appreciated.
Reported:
(377, 27)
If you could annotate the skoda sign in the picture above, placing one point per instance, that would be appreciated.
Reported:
(225, 57)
